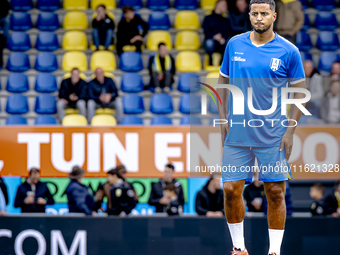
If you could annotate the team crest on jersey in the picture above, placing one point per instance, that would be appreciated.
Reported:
(275, 64)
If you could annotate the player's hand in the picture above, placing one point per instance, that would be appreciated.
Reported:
(287, 143)
(224, 132)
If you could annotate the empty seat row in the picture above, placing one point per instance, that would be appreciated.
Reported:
(161, 120)
(40, 120)
(18, 104)
(326, 41)
(323, 21)
(322, 5)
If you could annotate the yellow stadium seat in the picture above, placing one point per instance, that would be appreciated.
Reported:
(103, 120)
(187, 20)
(74, 120)
(104, 59)
(106, 74)
(75, 5)
(216, 63)
(69, 111)
(212, 78)
(81, 75)
(74, 40)
(156, 37)
(129, 48)
(101, 47)
(105, 111)
(75, 20)
(208, 5)
(74, 59)
(188, 61)
(109, 4)
(187, 40)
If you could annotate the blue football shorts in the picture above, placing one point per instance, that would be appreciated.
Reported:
(239, 164)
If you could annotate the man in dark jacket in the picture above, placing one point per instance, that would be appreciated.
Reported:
(33, 195)
(239, 18)
(157, 195)
(3, 188)
(131, 30)
(72, 94)
(174, 207)
(4, 17)
(102, 28)
(209, 200)
(316, 192)
(332, 202)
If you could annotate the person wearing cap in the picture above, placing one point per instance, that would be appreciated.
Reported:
(122, 174)
(79, 198)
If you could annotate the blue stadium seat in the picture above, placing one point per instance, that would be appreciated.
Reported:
(45, 104)
(133, 104)
(159, 21)
(18, 41)
(185, 4)
(305, 56)
(45, 83)
(47, 21)
(20, 21)
(212, 107)
(327, 41)
(324, 5)
(45, 120)
(132, 120)
(187, 82)
(48, 5)
(47, 41)
(132, 83)
(17, 104)
(189, 104)
(160, 120)
(303, 41)
(306, 25)
(16, 120)
(17, 83)
(326, 59)
(135, 4)
(190, 120)
(305, 3)
(46, 62)
(326, 21)
(21, 5)
(161, 104)
(18, 62)
(158, 5)
(131, 61)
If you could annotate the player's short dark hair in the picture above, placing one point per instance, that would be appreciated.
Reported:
(319, 187)
(171, 166)
(270, 2)
(101, 5)
(161, 44)
(127, 9)
(170, 187)
(34, 170)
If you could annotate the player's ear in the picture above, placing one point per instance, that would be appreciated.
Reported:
(275, 16)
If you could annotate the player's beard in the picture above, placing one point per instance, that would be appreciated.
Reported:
(263, 30)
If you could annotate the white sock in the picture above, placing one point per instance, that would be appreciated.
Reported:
(275, 240)
(236, 232)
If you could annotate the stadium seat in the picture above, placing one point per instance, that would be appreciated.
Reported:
(18, 41)
(109, 4)
(306, 24)
(161, 104)
(17, 83)
(48, 5)
(47, 41)
(159, 21)
(212, 107)
(190, 104)
(45, 104)
(190, 120)
(303, 41)
(47, 21)
(188, 61)
(17, 104)
(327, 41)
(215, 67)
(132, 120)
(16, 120)
(160, 120)
(75, 20)
(20, 21)
(131, 62)
(74, 59)
(21, 5)
(185, 4)
(135, 4)
(326, 21)
(45, 120)
(18, 62)
(211, 121)
(156, 37)
(74, 120)
(45, 83)
(74, 40)
(326, 59)
(132, 83)
(305, 3)
(103, 120)
(75, 5)
(46, 62)
(104, 59)
(133, 104)
(208, 5)
(187, 82)
(324, 5)
(158, 5)
(187, 40)
(212, 78)
(187, 20)
(305, 56)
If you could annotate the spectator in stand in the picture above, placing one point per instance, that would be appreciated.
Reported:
(314, 82)
(72, 94)
(162, 70)
(103, 27)
(33, 195)
(290, 19)
(131, 30)
(104, 191)
(79, 198)
(254, 195)
(122, 174)
(2, 204)
(334, 75)
(4, 17)
(174, 207)
(239, 18)
(157, 195)
(330, 107)
(3, 188)
(332, 202)
(316, 192)
(216, 30)
(209, 200)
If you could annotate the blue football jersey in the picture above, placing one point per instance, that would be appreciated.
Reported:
(276, 64)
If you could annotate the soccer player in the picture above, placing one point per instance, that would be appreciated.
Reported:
(261, 60)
